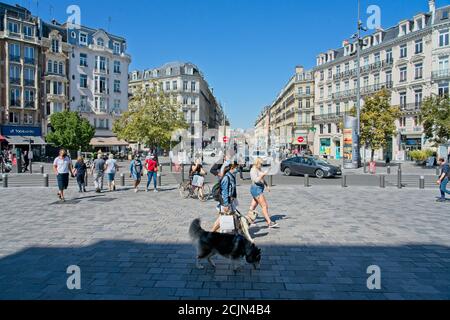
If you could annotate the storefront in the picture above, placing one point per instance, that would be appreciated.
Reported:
(410, 143)
(109, 144)
(24, 138)
(325, 147)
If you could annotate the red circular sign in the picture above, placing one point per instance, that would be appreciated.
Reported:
(300, 139)
(226, 139)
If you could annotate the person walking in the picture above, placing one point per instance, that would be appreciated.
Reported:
(228, 187)
(443, 179)
(98, 172)
(111, 169)
(80, 171)
(62, 166)
(136, 169)
(26, 161)
(152, 173)
(257, 191)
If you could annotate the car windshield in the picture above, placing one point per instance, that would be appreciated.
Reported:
(322, 162)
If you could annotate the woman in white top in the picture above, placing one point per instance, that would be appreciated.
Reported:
(257, 190)
(62, 166)
(111, 170)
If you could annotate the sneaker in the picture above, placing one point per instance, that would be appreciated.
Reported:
(146, 190)
(155, 191)
(441, 200)
(136, 190)
(273, 225)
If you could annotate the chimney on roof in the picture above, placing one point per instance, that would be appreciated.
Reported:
(299, 69)
(432, 8)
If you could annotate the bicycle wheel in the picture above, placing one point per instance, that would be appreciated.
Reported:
(185, 190)
(206, 192)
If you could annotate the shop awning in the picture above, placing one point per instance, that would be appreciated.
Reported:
(108, 142)
(25, 140)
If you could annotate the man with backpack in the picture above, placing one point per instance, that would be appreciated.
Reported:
(225, 192)
(443, 179)
(136, 169)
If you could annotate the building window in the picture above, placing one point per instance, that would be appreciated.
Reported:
(13, 27)
(14, 117)
(15, 97)
(83, 39)
(174, 85)
(418, 97)
(419, 46)
(55, 45)
(29, 98)
(29, 76)
(388, 78)
(185, 100)
(167, 85)
(185, 85)
(117, 86)
(193, 86)
(14, 74)
(403, 51)
(116, 66)
(83, 60)
(389, 56)
(83, 81)
(193, 101)
(83, 103)
(321, 129)
(418, 71)
(29, 55)
(117, 48)
(443, 90)
(100, 42)
(101, 63)
(443, 38)
(61, 68)
(329, 128)
(330, 73)
(403, 100)
(14, 52)
(322, 75)
(403, 74)
(28, 31)
(28, 118)
(58, 88)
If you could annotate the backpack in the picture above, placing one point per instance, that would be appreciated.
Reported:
(215, 170)
(217, 190)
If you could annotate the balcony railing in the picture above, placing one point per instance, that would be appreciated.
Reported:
(16, 103)
(328, 117)
(29, 104)
(411, 107)
(364, 90)
(14, 81)
(29, 60)
(14, 58)
(441, 74)
(29, 83)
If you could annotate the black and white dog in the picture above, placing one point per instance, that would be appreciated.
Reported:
(234, 247)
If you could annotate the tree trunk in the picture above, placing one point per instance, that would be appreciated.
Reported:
(372, 156)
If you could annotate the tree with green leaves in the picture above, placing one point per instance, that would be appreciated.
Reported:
(378, 118)
(435, 114)
(70, 131)
(151, 118)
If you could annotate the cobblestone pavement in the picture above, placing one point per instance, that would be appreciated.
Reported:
(136, 246)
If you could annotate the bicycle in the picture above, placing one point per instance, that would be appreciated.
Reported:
(187, 190)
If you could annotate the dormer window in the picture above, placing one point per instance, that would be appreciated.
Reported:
(100, 42)
(419, 25)
(404, 29)
(55, 45)
(168, 71)
(445, 15)
(117, 48)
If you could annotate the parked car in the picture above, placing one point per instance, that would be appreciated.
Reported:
(311, 166)
(259, 154)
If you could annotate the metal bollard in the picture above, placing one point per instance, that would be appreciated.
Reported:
(270, 181)
(382, 181)
(389, 170)
(422, 182)
(122, 180)
(344, 181)
(307, 185)
(159, 174)
(438, 171)
(46, 181)
(42, 169)
(182, 173)
(5, 180)
(365, 167)
(399, 178)
(171, 166)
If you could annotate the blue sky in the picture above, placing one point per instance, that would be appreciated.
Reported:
(247, 49)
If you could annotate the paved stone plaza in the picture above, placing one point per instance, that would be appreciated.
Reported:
(136, 246)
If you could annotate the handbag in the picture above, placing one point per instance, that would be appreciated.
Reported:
(198, 181)
(227, 224)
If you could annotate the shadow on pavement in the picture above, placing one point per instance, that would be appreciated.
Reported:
(134, 270)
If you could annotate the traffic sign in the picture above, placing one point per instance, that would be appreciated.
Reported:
(226, 139)
(301, 139)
